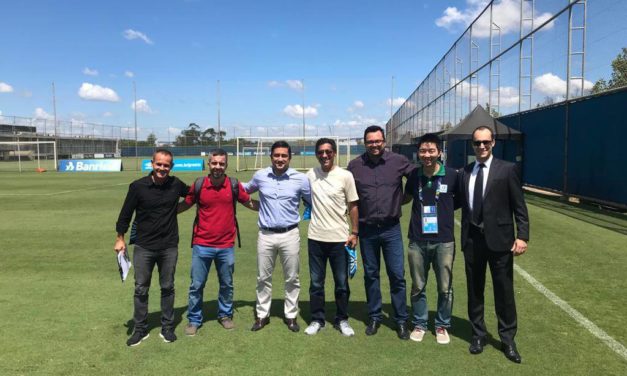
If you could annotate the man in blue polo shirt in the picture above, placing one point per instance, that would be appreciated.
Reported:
(280, 190)
(431, 237)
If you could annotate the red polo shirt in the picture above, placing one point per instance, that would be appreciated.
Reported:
(216, 222)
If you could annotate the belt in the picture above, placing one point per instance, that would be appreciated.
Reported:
(380, 224)
(280, 229)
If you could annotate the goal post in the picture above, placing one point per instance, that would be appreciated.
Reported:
(28, 155)
(253, 153)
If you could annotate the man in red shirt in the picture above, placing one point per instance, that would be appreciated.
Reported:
(213, 240)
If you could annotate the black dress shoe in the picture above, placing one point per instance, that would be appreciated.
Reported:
(476, 345)
(511, 353)
(402, 332)
(260, 323)
(372, 328)
(292, 324)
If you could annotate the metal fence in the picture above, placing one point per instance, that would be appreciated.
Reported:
(515, 56)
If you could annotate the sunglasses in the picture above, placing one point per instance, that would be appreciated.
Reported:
(484, 142)
(323, 152)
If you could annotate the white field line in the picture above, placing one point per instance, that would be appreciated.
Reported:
(63, 192)
(613, 344)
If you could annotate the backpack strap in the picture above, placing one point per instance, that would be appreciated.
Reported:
(197, 186)
(235, 193)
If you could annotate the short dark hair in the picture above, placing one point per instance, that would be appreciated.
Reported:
(372, 129)
(162, 151)
(430, 138)
(218, 152)
(484, 127)
(281, 144)
(325, 140)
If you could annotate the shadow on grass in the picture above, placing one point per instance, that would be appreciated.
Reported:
(588, 213)
(460, 327)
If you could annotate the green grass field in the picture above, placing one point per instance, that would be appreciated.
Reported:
(65, 311)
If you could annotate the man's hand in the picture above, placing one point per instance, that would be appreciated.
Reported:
(519, 247)
(352, 241)
(120, 245)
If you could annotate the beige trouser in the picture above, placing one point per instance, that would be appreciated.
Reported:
(287, 246)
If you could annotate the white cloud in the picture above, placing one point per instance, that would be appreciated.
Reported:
(5, 88)
(357, 105)
(555, 86)
(508, 95)
(295, 84)
(292, 84)
(355, 122)
(506, 15)
(40, 113)
(142, 106)
(397, 101)
(131, 34)
(90, 72)
(296, 111)
(93, 92)
(27, 94)
(107, 114)
(129, 74)
(550, 84)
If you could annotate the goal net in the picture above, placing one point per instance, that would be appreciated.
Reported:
(21, 156)
(253, 153)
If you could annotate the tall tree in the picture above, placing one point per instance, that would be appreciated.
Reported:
(189, 136)
(619, 74)
(151, 140)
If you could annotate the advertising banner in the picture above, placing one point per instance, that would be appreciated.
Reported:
(90, 165)
(179, 165)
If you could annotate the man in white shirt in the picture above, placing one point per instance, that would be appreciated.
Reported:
(333, 195)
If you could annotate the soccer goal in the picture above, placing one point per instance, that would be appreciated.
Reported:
(253, 153)
(28, 156)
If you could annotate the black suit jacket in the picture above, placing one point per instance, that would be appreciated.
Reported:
(503, 202)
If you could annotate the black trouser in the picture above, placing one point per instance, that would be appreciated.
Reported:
(319, 253)
(144, 261)
(477, 256)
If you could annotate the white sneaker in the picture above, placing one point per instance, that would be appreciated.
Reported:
(441, 335)
(345, 328)
(417, 334)
(313, 328)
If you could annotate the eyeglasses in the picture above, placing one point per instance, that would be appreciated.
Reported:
(323, 152)
(484, 142)
(375, 142)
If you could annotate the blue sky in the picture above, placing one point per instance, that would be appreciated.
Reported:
(346, 52)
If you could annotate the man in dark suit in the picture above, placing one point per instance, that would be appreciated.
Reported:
(492, 199)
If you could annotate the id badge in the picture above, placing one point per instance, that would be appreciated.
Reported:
(430, 219)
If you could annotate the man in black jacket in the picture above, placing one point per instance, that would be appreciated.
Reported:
(492, 200)
(154, 199)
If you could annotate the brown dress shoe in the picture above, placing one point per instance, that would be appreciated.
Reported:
(292, 324)
(227, 323)
(260, 323)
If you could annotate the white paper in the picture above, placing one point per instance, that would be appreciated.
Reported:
(125, 265)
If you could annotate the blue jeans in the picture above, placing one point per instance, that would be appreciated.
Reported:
(374, 239)
(421, 255)
(319, 253)
(201, 263)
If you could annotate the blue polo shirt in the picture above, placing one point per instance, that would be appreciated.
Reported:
(279, 196)
(446, 203)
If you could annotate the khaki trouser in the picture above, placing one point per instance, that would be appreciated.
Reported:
(287, 246)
